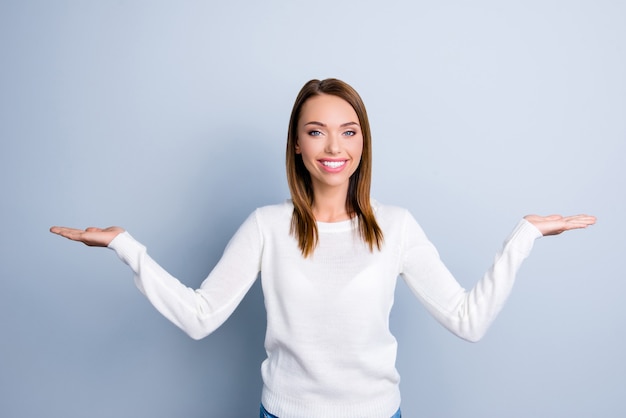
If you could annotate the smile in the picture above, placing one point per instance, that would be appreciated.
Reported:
(333, 164)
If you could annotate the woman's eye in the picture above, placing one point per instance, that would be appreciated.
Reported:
(349, 133)
(315, 133)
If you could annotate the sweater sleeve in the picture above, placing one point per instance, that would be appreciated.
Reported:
(201, 311)
(468, 314)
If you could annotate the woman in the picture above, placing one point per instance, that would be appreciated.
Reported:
(329, 259)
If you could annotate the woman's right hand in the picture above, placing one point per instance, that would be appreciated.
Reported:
(94, 237)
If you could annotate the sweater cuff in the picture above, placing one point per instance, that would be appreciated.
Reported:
(523, 236)
(128, 249)
(530, 229)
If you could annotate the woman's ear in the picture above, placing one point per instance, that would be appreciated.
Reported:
(297, 146)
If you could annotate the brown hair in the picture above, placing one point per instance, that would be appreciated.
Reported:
(358, 204)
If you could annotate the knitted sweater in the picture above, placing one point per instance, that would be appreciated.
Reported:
(329, 349)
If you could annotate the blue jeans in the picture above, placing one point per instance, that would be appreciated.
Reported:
(265, 414)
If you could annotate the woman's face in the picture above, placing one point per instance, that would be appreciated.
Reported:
(330, 141)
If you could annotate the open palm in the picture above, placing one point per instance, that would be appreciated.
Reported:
(555, 224)
(92, 236)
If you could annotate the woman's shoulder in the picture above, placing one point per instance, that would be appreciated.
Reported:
(274, 212)
(397, 221)
(383, 211)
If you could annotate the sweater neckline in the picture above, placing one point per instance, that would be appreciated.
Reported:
(341, 226)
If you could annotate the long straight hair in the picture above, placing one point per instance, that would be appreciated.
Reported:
(303, 225)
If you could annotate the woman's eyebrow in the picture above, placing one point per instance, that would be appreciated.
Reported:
(343, 125)
(315, 123)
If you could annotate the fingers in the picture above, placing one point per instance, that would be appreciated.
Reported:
(590, 219)
(579, 221)
(573, 219)
(70, 233)
(61, 230)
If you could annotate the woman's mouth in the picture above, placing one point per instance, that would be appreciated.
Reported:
(333, 164)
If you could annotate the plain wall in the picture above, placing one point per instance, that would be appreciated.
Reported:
(169, 119)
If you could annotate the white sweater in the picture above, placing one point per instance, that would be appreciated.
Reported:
(329, 349)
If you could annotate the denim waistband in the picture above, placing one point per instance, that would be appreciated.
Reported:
(265, 414)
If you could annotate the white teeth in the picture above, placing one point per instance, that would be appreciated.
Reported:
(333, 164)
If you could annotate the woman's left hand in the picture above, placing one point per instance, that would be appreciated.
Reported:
(555, 224)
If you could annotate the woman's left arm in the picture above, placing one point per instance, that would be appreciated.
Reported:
(469, 313)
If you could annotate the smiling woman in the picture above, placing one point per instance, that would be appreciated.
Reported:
(319, 105)
(329, 260)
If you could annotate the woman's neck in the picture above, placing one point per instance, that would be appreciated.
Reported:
(330, 206)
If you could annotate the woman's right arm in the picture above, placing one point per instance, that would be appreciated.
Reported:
(198, 312)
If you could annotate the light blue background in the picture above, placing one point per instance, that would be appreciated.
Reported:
(169, 118)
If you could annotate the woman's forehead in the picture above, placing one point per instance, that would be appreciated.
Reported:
(328, 109)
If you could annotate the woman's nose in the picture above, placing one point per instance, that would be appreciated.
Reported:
(332, 144)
